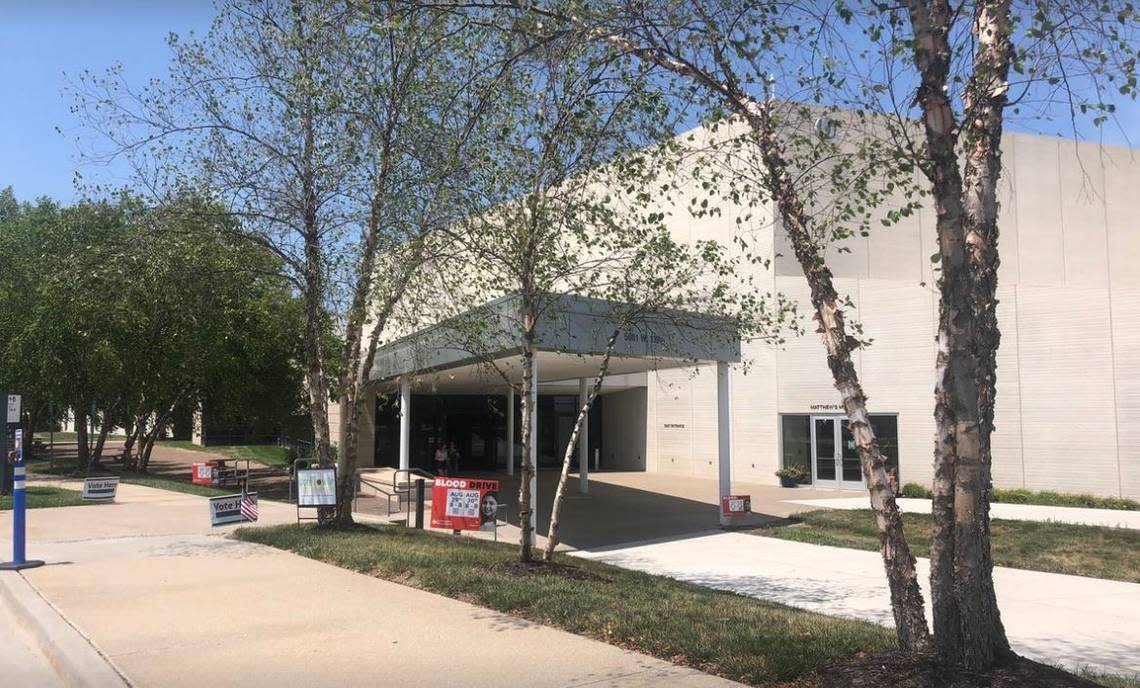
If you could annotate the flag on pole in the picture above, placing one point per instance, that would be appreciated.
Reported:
(249, 506)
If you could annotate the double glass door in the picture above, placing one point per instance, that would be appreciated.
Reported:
(835, 460)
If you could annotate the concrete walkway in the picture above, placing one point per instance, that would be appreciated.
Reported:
(24, 662)
(1110, 518)
(1053, 618)
(171, 602)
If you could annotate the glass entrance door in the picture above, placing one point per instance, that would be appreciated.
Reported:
(835, 459)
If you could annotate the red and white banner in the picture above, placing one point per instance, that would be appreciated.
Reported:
(464, 503)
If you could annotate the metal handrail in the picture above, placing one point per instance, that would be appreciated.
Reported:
(377, 486)
(407, 489)
(408, 484)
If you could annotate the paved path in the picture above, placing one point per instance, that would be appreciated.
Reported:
(1111, 518)
(1050, 617)
(23, 662)
(173, 603)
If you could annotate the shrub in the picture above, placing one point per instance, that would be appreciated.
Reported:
(797, 473)
(1043, 498)
(916, 491)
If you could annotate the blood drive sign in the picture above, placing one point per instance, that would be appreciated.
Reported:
(464, 503)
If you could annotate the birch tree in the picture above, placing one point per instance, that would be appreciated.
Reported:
(963, 71)
(730, 56)
(331, 132)
(251, 115)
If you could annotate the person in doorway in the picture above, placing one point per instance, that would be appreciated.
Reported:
(452, 458)
(441, 459)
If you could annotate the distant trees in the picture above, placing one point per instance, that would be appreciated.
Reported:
(128, 312)
(332, 134)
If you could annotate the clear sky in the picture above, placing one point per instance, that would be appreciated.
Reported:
(42, 40)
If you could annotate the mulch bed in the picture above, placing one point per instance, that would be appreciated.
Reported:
(898, 669)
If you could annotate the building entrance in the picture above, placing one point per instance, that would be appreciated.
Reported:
(477, 425)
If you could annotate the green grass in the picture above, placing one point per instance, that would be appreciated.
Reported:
(72, 437)
(41, 497)
(731, 635)
(1043, 498)
(163, 482)
(266, 454)
(1112, 553)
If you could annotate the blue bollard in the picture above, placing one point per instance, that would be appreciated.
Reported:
(19, 512)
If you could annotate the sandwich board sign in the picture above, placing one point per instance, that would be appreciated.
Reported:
(464, 504)
(237, 508)
(100, 489)
(316, 487)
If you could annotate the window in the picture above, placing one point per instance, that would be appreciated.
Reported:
(796, 434)
(830, 469)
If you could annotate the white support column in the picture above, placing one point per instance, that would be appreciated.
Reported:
(583, 441)
(405, 423)
(533, 449)
(724, 434)
(511, 430)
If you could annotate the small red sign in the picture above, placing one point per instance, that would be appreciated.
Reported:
(464, 503)
(204, 473)
(735, 505)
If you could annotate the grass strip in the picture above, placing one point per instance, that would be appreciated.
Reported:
(43, 497)
(265, 454)
(1042, 498)
(163, 482)
(730, 635)
(1079, 550)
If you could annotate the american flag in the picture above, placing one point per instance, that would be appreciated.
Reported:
(249, 506)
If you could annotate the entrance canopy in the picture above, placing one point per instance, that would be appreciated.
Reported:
(456, 356)
(480, 351)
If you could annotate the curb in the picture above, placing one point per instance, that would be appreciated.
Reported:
(71, 654)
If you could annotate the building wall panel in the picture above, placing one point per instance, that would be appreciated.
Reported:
(1068, 410)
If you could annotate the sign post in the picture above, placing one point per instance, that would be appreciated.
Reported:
(19, 505)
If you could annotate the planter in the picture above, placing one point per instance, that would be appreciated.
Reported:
(788, 482)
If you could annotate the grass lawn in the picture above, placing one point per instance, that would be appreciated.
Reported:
(41, 497)
(163, 482)
(1054, 547)
(72, 437)
(730, 635)
(266, 454)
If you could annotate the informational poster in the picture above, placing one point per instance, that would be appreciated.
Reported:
(100, 489)
(736, 505)
(233, 509)
(13, 408)
(464, 504)
(316, 487)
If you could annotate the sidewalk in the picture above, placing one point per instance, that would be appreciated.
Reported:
(1053, 618)
(173, 603)
(1109, 518)
(25, 664)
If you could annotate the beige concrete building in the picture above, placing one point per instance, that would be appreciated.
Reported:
(1069, 384)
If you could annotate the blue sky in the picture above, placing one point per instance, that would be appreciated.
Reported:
(42, 40)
